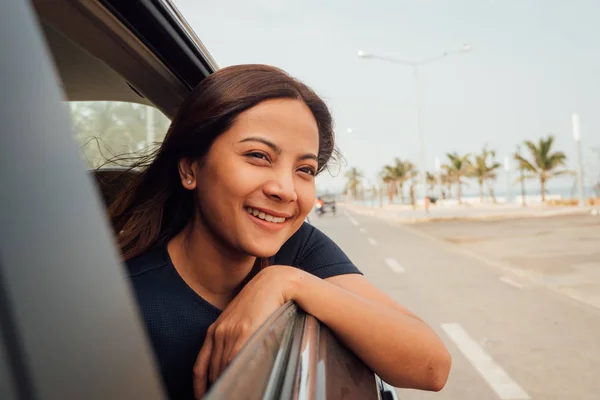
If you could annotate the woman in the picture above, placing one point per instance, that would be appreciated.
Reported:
(215, 241)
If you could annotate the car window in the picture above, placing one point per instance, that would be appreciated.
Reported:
(106, 129)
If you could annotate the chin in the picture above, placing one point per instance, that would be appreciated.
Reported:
(264, 250)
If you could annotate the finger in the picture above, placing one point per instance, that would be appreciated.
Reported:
(217, 354)
(234, 348)
(227, 348)
(201, 367)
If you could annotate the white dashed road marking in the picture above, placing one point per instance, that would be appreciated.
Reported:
(363, 230)
(512, 283)
(504, 386)
(394, 265)
(353, 221)
(372, 242)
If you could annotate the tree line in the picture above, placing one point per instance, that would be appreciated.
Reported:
(105, 129)
(542, 163)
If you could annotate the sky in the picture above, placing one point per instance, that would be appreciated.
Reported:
(533, 64)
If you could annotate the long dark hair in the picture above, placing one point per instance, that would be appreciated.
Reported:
(155, 207)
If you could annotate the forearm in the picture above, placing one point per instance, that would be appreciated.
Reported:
(401, 349)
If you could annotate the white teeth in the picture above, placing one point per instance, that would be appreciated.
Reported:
(266, 217)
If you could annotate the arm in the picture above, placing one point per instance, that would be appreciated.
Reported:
(393, 342)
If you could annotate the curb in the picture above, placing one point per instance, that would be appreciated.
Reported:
(390, 215)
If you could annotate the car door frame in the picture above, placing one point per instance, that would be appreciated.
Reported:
(59, 340)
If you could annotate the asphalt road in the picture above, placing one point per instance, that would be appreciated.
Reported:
(508, 341)
(560, 252)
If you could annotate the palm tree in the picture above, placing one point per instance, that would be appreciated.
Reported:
(405, 171)
(396, 175)
(354, 177)
(482, 171)
(390, 178)
(412, 194)
(432, 181)
(458, 167)
(446, 182)
(543, 163)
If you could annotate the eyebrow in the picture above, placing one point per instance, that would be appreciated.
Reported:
(277, 149)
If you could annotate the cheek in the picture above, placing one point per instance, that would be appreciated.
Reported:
(306, 196)
(217, 192)
(231, 186)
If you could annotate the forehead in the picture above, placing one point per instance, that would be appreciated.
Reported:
(284, 121)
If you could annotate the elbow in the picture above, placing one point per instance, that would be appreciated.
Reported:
(438, 371)
(431, 376)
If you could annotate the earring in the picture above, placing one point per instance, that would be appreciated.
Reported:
(189, 181)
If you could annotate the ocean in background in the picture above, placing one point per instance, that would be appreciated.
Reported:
(501, 196)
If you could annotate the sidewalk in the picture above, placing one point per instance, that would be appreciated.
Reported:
(406, 214)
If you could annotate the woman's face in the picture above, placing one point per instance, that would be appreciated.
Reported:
(256, 185)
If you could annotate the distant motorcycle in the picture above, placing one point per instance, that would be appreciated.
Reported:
(322, 207)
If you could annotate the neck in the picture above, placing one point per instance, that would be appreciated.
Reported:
(207, 265)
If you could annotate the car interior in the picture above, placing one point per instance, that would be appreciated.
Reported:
(98, 58)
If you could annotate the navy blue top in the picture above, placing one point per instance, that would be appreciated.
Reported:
(177, 318)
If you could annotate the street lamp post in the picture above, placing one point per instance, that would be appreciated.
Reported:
(415, 65)
(507, 171)
(523, 203)
(438, 172)
(577, 137)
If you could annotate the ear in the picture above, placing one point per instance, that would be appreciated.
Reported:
(187, 173)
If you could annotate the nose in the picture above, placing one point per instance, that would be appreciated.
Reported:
(281, 188)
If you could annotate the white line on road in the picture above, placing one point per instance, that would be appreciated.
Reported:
(394, 265)
(504, 386)
(512, 283)
(363, 230)
(353, 221)
(372, 241)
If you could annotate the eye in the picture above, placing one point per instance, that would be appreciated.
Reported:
(258, 155)
(308, 170)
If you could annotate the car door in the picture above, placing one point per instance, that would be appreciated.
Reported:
(68, 323)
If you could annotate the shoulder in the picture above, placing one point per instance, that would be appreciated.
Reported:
(153, 259)
(294, 246)
(313, 251)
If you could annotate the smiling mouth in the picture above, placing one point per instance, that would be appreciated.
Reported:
(264, 216)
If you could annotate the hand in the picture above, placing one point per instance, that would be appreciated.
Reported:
(257, 301)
